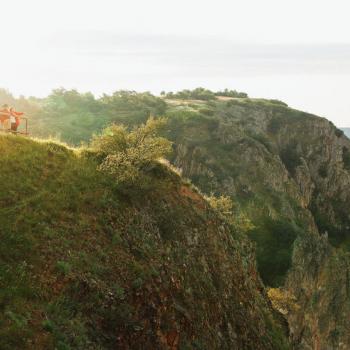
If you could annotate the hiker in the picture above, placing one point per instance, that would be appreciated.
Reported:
(15, 119)
(4, 117)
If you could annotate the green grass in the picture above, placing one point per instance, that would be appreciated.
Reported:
(87, 264)
(47, 197)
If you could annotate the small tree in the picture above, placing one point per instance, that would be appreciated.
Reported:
(230, 212)
(127, 154)
(282, 300)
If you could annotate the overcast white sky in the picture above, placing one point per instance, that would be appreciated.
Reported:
(297, 51)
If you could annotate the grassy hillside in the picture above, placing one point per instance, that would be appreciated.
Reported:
(88, 264)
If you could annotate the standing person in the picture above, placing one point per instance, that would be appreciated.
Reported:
(4, 116)
(15, 119)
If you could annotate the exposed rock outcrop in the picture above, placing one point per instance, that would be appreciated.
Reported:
(285, 165)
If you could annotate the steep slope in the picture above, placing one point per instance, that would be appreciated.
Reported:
(290, 172)
(86, 264)
(226, 152)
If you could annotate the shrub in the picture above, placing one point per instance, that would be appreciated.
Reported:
(63, 267)
(282, 300)
(231, 93)
(230, 212)
(196, 94)
(207, 111)
(126, 155)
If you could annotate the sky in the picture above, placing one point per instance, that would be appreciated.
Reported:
(296, 51)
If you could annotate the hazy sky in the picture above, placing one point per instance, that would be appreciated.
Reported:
(297, 51)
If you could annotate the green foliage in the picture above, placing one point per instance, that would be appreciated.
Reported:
(63, 267)
(231, 213)
(179, 117)
(275, 125)
(262, 139)
(84, 265)
(262, 104)
(18, 320)
(278, 102)
(131, 101)
(126, 155)
(207, 111)
(67, 328)
(290, 157)
(231, 93)
(74, 117)
(203, 94)
(277, 334)
(196, 94)
(338, 235)
(274, 240)
(282, 300)
(29, 105)
(323, 170)
(120, 292)
(346, 158)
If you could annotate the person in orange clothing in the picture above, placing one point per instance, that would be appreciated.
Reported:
(4, 116)
(15, 119)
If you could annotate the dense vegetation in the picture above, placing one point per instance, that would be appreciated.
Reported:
(203, 94)
(75, 117)
(126, 155)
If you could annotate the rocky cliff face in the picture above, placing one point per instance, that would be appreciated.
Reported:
(290, 171)
(319, 279)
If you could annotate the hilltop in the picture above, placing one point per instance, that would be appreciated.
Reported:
(89, 264)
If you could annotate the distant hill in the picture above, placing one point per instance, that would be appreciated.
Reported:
(346, 131)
